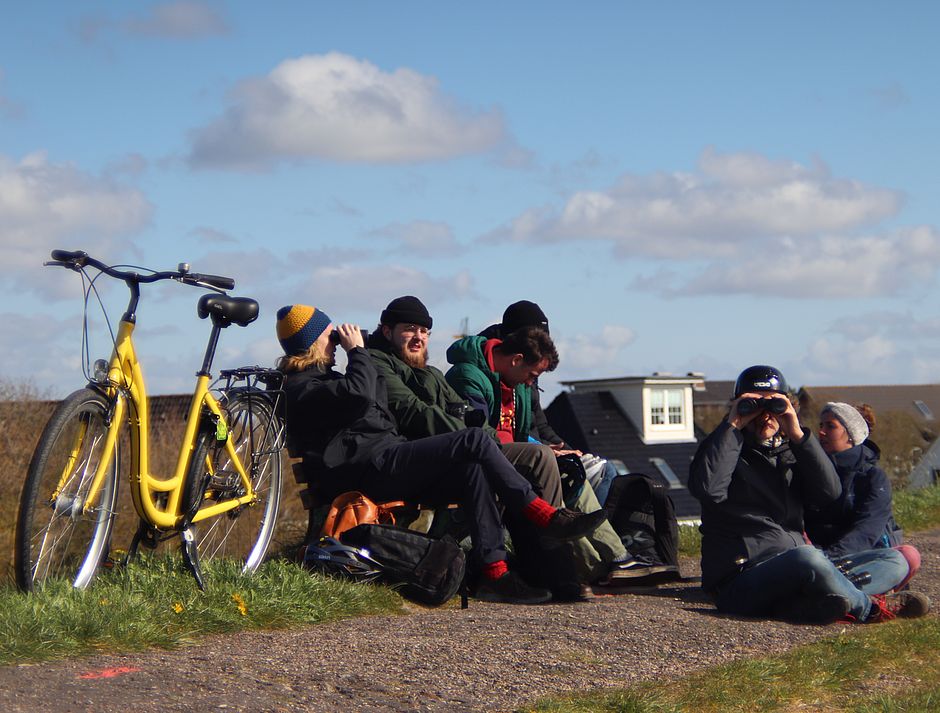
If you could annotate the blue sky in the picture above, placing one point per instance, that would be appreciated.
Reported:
(681, 186)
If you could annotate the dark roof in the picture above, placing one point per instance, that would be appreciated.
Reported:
(882, 398)
(712, 393)
(592, 422)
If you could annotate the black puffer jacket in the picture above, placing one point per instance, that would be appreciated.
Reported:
(341, 423)
(753, 498)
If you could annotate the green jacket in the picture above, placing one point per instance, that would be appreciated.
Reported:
(473, 379)
(417, 398)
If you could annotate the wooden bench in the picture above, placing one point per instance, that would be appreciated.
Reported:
(414, 516)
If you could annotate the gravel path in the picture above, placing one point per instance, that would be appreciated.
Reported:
(488, 658)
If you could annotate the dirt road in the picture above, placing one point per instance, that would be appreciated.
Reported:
(490, 657)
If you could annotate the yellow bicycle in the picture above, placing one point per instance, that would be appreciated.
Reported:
(222, 499)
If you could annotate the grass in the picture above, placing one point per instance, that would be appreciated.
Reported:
(155, 603)
(917, 509)
(888, 668)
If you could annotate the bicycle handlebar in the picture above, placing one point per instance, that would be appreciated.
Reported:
(77, 259)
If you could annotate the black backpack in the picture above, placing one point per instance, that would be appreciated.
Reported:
(641, 512)
(420, 567)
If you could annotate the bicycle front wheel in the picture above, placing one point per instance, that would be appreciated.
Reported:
(245, 533)
(58, 533)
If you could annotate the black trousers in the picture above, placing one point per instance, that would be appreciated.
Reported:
(466, 467)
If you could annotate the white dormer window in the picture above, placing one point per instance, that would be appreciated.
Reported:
(666, 407)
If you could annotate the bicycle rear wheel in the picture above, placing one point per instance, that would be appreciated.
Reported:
(56, 536)
(245, 533)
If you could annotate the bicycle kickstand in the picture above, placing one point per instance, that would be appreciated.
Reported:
(145, 536)
(191, 556)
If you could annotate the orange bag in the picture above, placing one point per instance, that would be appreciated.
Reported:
(354, 508)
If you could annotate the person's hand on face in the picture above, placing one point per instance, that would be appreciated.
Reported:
(764, 423)
(738, 420)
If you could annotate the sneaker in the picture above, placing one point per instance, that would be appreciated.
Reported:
(634, 569)
(819, 609)
(568, 524)
(906, 604)
(510, 589)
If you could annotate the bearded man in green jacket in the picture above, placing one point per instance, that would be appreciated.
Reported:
(424, 404)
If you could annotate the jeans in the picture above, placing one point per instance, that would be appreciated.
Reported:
(801, 572)
(887, 567)
(602, 486)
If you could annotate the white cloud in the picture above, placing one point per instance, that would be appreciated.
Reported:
(423, 238)
(864, 348)
(371, 287)
(588, 355)
(206, 234)
(339, 108)
(830, 266)
(731, 199)
(183, 19)
(45, 205)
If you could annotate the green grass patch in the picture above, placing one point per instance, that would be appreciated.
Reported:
(153, 602)
(890, 667)
(917, 509)
(690, 541)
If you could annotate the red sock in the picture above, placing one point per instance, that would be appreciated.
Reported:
(495, 570)
(539, 512)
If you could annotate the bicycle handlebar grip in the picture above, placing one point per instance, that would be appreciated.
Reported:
(223, 283)
(68, 255)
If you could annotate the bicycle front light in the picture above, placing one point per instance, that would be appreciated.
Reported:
(101, 372)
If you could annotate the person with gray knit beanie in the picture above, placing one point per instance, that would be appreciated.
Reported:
(859, 527)
(855, 427)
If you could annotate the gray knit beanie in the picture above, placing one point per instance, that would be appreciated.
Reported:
(850, 419)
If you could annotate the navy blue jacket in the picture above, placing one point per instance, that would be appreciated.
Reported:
(861, 519)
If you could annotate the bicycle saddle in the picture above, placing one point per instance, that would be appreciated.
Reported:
(227, 310)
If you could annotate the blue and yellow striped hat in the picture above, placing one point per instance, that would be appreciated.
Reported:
(299, 326)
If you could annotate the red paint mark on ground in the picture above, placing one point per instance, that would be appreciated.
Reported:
(109, 672)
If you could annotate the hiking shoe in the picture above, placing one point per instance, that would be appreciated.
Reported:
(819, 609)
(906, 604)
(568, 524)
(510, 589)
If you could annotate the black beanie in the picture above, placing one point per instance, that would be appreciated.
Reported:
(407, 310)
(523, 314)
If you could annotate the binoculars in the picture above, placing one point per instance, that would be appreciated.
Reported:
(775, 405)
(334, 336)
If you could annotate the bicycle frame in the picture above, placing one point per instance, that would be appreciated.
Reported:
(126, 389)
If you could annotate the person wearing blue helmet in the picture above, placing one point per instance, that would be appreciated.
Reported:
(754, 475)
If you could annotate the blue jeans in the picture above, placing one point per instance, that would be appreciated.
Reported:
(887, 568)
(801, 572)
(602, 486)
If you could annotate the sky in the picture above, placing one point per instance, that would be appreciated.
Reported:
(681, 186)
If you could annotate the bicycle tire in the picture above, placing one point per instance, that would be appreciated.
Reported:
(54, 537)
(246, 532)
